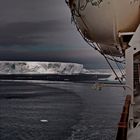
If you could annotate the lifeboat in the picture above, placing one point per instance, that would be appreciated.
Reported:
(107, 22)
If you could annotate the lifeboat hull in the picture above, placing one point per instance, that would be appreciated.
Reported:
(101, 21)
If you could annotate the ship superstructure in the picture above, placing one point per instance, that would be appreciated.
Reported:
(112, 27)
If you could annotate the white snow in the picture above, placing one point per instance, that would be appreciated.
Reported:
(40, 67)
(22, 67)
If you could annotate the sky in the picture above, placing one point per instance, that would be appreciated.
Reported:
(41, 30)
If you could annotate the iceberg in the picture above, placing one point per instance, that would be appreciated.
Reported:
(17, 67)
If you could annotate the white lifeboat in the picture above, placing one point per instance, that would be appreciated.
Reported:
(103, 21)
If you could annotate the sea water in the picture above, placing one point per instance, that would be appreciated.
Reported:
(58, 111)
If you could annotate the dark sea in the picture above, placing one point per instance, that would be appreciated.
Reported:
(58, 111)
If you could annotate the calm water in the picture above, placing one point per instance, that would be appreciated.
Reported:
(69, 111)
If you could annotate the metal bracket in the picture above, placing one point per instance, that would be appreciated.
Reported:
(129, 54)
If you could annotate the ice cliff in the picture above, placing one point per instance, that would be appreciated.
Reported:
(40, 67)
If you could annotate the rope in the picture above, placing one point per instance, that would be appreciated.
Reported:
(76, 13)
(83, 36)
(119, 69)
(117, 65)
(112, 68)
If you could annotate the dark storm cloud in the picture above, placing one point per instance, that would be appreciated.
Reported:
(89, 61)
(35, 21)
(29, 32)
(41, 30)
(31, 10)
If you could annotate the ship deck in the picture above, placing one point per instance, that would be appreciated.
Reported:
(134, 134)
(137, 105)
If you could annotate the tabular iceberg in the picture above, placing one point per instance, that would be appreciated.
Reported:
(40, 67)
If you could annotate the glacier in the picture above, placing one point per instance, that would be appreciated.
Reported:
(61, 68)
(21, 67)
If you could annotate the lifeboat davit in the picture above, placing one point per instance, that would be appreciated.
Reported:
(104, 21)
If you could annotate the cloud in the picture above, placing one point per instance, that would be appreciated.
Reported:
(30, 32)
(53, 57)
(31, 10)
(41, 30)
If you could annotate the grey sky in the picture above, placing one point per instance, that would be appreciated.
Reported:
(41, 30)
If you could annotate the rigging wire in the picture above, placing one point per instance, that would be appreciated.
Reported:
(83, 7)
(83, 35)
(76, 13)
(92, 44)
(121, 71)
(106, 58)
(111, 67)
(117, 65)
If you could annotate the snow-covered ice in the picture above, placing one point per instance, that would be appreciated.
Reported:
(40, 67)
